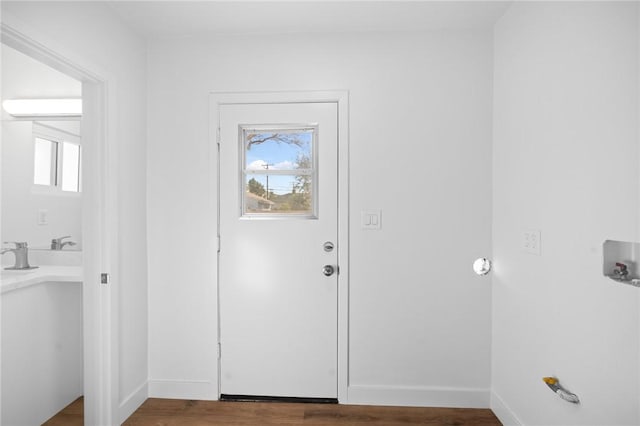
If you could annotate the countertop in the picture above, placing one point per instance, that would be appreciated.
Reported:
(11, 280)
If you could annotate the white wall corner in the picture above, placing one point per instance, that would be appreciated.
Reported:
(183, 389)
(418, 396)
(503, 412)
(133, 401)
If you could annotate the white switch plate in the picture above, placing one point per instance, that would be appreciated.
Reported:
(371, 219)
(43, 217)
(531, 242)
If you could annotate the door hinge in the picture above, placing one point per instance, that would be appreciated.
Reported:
(218, 243)
(104, 278)
(218, 136)
(219, 350)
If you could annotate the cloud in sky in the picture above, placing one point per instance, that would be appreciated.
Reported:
(261, 165)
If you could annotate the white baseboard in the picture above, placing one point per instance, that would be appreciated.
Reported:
(418, 396)
(134, 400)
(503, 412)
(183, 389)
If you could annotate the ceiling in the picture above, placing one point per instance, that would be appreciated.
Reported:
(181, 18)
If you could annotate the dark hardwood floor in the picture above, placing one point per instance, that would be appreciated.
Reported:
(174, 412)
(71, 415)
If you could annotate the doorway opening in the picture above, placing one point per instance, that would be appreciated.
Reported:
(41, 202)
(96, 202)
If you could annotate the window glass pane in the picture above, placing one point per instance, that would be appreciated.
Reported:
(278, 150)
(278, 194)
(70, 167)
(45, 162)
(278, 167)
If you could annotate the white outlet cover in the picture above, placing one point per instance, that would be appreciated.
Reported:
(532, 242)
(43, 217)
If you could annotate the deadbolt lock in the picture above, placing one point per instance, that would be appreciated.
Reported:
(328, 246)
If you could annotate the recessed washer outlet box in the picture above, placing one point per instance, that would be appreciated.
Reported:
(619, 256)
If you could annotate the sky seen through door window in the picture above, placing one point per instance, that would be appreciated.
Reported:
(279, 154)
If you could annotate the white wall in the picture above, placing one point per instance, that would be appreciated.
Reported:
(24, 77)
(90, 35)
(41, 351)
(420, 135)
(565, 162)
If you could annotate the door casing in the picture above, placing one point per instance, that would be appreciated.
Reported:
(341, 99)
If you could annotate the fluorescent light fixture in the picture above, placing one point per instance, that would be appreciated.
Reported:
(43, 107)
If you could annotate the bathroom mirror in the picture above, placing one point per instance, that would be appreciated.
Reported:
(41, 188)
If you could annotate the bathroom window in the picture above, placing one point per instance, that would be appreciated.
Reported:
(57, 159)
(278, 171)
(46, 157)
(70, 167)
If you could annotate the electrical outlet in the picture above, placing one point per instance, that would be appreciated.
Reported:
(531, 242)
(43, 217)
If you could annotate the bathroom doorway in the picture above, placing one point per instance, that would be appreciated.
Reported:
(41, 205)
(91, 315)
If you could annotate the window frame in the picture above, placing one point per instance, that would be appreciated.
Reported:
(244, 173)
(58, 137)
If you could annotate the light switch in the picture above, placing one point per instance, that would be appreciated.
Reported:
(371, 219)
(531, 242)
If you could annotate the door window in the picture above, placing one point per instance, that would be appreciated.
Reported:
(279, 171)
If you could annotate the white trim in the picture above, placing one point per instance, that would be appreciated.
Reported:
(287, 97)
(183, 389)
(134, 400)
(33, 43)
(53, 191)
(418, 396)
(506, 416)
(637, 191)
(343, 250)
(100, 238)
(55, 134)
(341, 98)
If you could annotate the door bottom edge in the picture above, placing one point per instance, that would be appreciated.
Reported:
(289, 399)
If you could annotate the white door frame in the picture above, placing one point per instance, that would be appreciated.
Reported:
(341, 99)
(99, 217)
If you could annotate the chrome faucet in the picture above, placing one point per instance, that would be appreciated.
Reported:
(57, 244)
(22, 255)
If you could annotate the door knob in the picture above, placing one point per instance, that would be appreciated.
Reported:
(328, 270)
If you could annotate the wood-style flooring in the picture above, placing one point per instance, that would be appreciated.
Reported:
(71, 415)
(173, 412)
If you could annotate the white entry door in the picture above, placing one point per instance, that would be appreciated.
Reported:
(278, 250)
